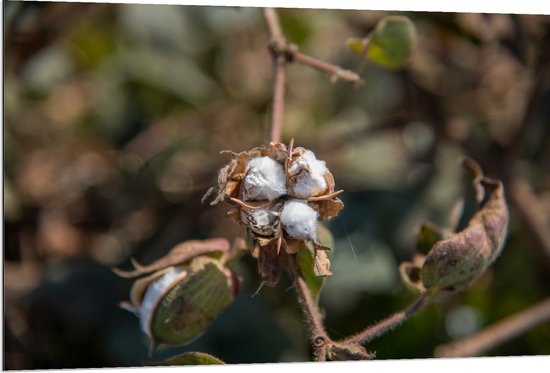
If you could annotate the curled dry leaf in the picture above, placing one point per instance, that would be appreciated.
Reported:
(178, 255)
(456, 260)
(410, 274)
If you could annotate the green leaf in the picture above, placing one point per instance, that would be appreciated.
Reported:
(192, 358)
(390, 44)
(428, 236)
(306, 263)
(325, 236)
(358, 45)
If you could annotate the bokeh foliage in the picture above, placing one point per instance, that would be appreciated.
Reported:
(114, 116)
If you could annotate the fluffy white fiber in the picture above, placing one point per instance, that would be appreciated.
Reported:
(310, 181)
(299, 220)
(265, 179)
(152, 295)
(264, 217)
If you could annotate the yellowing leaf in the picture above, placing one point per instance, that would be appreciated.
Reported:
(389, 45)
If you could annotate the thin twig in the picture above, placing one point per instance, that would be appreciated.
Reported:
(336, 71)
(498, 333)
(277, 47)
(386, 325)
(279, 78)
(273, 25)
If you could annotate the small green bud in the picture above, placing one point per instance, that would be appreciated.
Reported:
(187, 308)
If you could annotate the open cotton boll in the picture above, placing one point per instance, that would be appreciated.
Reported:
(262, 221)
(265, 179)
(310, 181)
(264, 217)
(299, 220)
(152, 295)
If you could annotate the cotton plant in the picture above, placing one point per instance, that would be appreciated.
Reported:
(282, 195)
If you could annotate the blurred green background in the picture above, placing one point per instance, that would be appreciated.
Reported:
(114, 117)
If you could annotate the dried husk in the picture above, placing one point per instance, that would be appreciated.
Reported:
(271, 264)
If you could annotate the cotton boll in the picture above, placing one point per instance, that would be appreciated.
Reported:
(153, 294)
(299, 220)
(310, 180)
(265, 179)
(262, 221)
(264, 217)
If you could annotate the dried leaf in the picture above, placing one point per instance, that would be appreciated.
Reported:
(270, 263)
(321, 265)
(410, 275)
(327, 208)
(178, 255)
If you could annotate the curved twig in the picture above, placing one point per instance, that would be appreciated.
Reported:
(498, 333)
(388, 324)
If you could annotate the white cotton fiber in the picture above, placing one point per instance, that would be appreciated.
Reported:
(152, 295)
(265, 179)
(264, 217)
(299, 220)
(263, 221)
(310, 181)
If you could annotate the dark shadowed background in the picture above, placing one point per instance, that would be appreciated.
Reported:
(114, 117)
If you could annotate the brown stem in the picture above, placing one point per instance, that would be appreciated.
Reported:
(277, 110)
(386, 325)
(279, 73)
(274, 25)
(498, 333)
(319, 338)
(336, 71)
